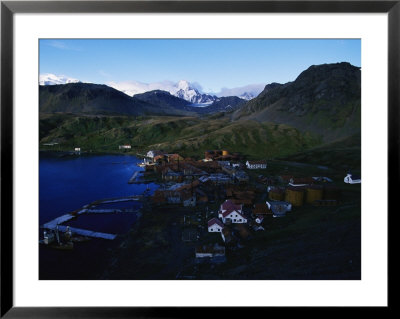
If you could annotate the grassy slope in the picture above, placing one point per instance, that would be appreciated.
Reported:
(190, 136)
(345, 153)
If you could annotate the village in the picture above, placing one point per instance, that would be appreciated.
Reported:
(226, 200)
(210, 217)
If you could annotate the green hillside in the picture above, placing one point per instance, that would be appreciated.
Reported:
(190, 136)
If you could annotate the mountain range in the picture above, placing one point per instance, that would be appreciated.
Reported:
(190, 92)
(322, 105)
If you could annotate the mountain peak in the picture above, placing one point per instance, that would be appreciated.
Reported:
(184, 85)
(52, 79)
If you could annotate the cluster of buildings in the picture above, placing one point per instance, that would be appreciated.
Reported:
(221, 178)
(197, 181)
(234, 224)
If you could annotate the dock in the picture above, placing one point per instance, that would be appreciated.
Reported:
(117, 200)
(110, 211)
(133, 178)
(90, 209)
(59, 220)
(87, 233)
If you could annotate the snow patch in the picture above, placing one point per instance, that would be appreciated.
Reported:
(52, 79)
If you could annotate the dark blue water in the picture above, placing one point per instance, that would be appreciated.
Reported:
(70, 182)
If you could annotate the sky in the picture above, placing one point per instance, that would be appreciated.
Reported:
(211, 64)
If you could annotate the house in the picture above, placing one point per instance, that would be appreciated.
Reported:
(241, 176)
(218, 179)
(352, 179)
(159, 158)
(256, 164)
(77, 149)
(125, 147)
(230, 212)
(169, 175)
(154, 153)
(279, 208)
(215, 225)
(174, 158)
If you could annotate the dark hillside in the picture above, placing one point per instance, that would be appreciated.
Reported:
(324, 100)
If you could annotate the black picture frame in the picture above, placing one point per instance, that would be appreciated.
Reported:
(9, 8)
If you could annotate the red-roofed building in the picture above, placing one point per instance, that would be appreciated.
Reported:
(215, 225)
(232, 212)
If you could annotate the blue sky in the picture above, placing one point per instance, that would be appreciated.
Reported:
(213, 64)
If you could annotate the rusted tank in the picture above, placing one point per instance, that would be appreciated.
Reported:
(295, 196)
(313, 193)
(277, 194)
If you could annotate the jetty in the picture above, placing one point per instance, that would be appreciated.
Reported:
(87, 233)
(133, 178)
(117, 200)
(110, 211)
(59, 220)
(90, 209)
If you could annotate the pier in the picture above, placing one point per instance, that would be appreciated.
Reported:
(59, 220)
(133, 178)
(87, 233)
(110, 211)
(90, 209)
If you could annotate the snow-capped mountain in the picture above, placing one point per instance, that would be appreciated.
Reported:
(183, 89)
(52, 79)
(189, 93)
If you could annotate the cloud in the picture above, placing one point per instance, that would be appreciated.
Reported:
(104, 73)
(61, 45)
(253, 89)
(133, 87)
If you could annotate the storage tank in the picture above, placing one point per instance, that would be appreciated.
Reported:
(314, 193)
(276, 194)
(295, 196)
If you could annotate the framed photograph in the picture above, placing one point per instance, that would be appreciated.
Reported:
(160, 155)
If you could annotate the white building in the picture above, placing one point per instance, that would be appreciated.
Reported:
(352, 179)
(215, 226)
(231, 212)
(125, 147)
(153, 153)
(256, 164)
